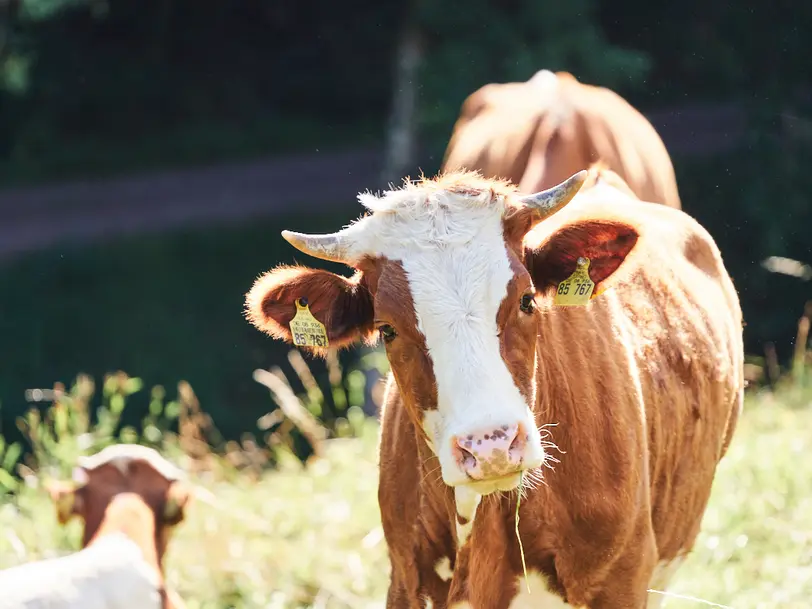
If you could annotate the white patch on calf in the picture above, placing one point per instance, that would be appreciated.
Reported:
(540, 595)
(467, 502)
(428, 603)
(109, 573)
(463, 533)
(443, 569)
(453, 251)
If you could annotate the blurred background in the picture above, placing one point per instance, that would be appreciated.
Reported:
(151, 152)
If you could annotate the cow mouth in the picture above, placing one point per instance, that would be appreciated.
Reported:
(506, 483)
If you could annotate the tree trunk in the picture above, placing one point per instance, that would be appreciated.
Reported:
(402, 130)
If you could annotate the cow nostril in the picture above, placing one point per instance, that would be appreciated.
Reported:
(467, 459)
(516, 449)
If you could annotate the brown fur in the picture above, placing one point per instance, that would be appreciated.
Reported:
(644, 384)
(134, 504)
(505, 131)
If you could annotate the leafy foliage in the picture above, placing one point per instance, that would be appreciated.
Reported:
(116, 83)
(168, 306)
(511, 41)
(705, 49)
(54, 436)
(754, 203)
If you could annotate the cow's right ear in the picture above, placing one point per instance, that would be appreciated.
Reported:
(65, 498)
(344, 306)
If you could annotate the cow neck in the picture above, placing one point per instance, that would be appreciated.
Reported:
(129, 514)
(578, 367)
(574, 380)
(595, 420)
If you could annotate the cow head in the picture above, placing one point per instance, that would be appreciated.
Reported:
(441, 277)
(109, 484)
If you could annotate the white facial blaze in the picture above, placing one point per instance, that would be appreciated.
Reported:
(453, 251)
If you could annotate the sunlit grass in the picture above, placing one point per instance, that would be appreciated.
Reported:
(755, 548)
(309, 535)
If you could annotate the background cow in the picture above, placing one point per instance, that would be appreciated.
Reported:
(539, 132)
(459, 276)
(129, 499)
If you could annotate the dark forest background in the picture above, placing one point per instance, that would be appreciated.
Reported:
(95, 88)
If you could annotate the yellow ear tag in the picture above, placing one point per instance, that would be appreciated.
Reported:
(307, 331)
(576, 289)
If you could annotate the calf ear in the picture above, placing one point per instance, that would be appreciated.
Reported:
(68, 503)
(343, 306)
(177, 499)
(606, 243)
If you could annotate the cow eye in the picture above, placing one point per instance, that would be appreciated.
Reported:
(527, 303)
(387, 332)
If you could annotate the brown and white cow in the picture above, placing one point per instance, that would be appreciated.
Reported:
(129, 499)
(539, 132)
(636, 393)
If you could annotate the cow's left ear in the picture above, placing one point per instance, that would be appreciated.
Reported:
(65, 498)
(606, 243)
(343, 306)
(177, 499)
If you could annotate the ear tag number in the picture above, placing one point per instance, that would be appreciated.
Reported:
(576, 289)
(306, 330)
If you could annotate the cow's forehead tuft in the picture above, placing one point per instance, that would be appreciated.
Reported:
(462, 189)
(120, 455)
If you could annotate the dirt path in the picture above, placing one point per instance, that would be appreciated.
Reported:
(38, 217)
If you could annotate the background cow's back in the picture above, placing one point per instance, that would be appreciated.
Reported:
(538, 133)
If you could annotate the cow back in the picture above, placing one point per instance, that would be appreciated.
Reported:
(538, 133)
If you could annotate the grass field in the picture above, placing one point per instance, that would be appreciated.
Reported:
(309, 535)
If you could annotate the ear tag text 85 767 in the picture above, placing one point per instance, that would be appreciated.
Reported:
(306, 330)
(576, 289)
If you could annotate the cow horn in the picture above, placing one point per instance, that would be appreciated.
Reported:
(335, 247)
(549, 201)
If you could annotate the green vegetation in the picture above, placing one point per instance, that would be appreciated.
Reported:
(565, 34)
(754, 202)
(755, 548)
(91, 87)
(180, 147)
(169, 306)
(308, 534)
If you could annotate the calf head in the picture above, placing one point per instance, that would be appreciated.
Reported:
(442, 277)
(122, 475)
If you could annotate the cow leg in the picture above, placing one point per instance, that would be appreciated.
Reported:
(421, 573)
(627, 582)
(397, 597)
(663, 573)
